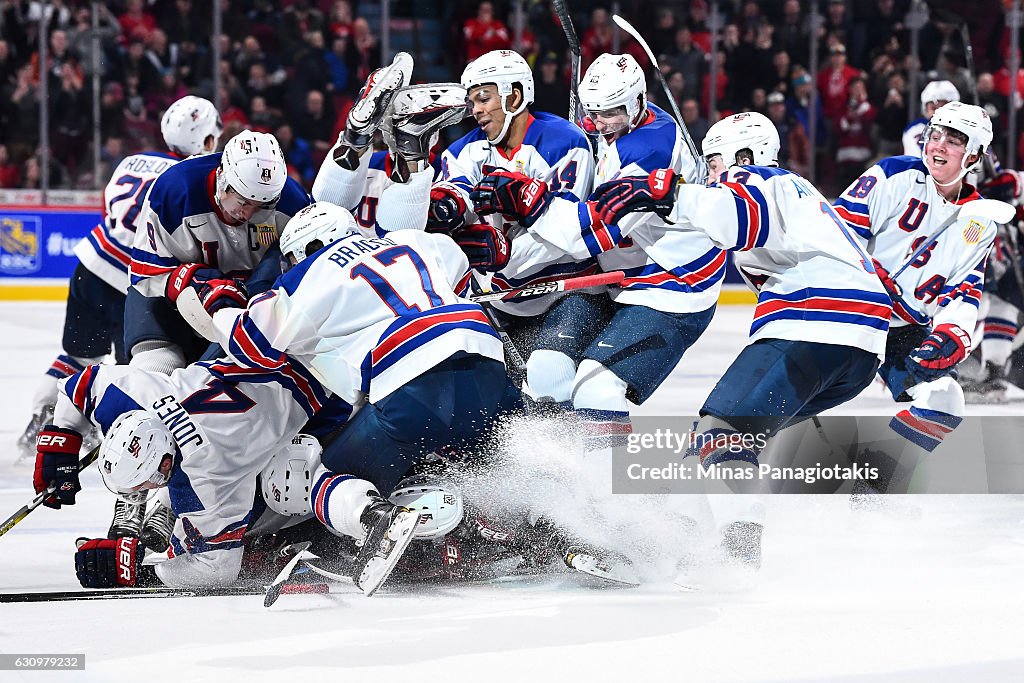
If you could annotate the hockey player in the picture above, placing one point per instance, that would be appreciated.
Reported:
(542, 154)
(933, 96)
(821, 308)
(94, 320)
(203, 431)
(207, 223)
(622, 350)
(895, 208)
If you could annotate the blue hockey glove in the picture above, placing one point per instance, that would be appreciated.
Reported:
(109, 563)
(57, 464)
(485, 246)
(654, 193)
(938, 354)
(516, 196)
(447, 210)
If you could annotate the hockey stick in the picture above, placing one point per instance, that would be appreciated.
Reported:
(550, 287)
(510, 346)
(562, 11)
(702, 164)
(985, 209)
(276, 588)
(155, 592)
(38, 500)
(192, 311)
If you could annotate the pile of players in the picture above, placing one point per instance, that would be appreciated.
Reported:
(346, 355)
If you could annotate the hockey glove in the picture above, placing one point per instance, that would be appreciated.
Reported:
(895, 292)
(514, 195)
(111, 563)
(447, 211)
(215, 291)
(937, 355)
(1005, 187)
(57, 463)
(485, 246)
(654, 193)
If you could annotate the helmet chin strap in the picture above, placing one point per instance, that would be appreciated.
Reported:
(509, 115)
(964, 170)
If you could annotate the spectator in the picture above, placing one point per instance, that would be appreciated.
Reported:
(854, 146)
(315, 124)
(662, 38)
(8, 66)
(792, 34)
(336, 65)
(261, 118)
(997, 108)
(297, 21)
(838, 26)
(80, 38)
(363, 52)
(799, 103)
(795, 152)
(297, 154)
(677, 85)
(31, 174)
(231, 115)
(111, 154)
(183, 24)
(140, 130)
(58, 55)
(134, 63)
(1002, 84)
(698, 23)
(597, 38)
(782, 72)
(10, 174)
(248, 54)
(310, 70)
(834, 82)
(339, 22)
(696, 124)
(892, 116)
(112, 110)
(884, 21)
(484, 33)
(23, 103)
(551, 94)
(159, 54)
(167, 93)
(70, 118)
(136, 22)
(267, 87)
(688, 59)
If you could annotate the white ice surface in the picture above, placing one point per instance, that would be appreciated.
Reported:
(842, 596)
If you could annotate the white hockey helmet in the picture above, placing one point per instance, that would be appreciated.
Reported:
(287, 479)
(968, 119)
(253, 166)
(132, 451)
(746, 130)
(188, 123)
(438, 503)
(615, 81)
(938, 91)
(503, 68)
(314, 227)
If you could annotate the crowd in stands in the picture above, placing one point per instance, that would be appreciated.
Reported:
(292, 67)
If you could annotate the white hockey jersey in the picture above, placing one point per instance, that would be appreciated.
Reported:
(667, 270)
(180, 223)
(227, 422)
(813, 281)
(365, 315)
(107, 250)
(554, 151)
(894, 208)
(378, 203)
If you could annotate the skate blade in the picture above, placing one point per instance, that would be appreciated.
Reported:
(379, 567)
(620, 575)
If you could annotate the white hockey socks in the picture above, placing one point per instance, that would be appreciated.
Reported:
(549, 377)
(157, 356)
(339, 500)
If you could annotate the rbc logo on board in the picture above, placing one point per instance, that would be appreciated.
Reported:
(20, 241)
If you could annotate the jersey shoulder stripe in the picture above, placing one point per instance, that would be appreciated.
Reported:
(174, 195)
(890, 166)
(554, 137)
(410, 332)
(650, 146)
(475, 135)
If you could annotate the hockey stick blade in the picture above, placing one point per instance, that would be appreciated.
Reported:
(195, 314)
(612, 278)
(621, 574)
(24, 511)
(275, 589)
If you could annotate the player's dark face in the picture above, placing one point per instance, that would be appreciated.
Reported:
(485, 105)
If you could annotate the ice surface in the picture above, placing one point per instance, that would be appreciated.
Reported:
(842, 596)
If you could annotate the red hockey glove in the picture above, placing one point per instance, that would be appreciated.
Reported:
(945, 347)
(215, 291)
(109, 563)
(652, 194)
(485, 246)
(516, 196)
(447, 210)
(57, 463)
